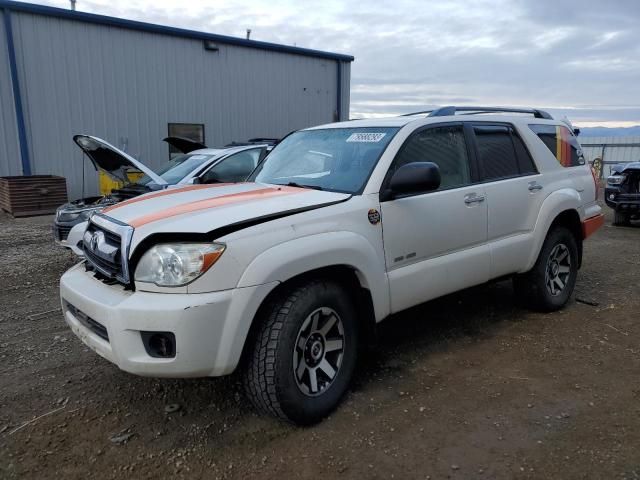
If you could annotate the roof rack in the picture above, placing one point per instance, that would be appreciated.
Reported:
(452, 110)
(416, 113)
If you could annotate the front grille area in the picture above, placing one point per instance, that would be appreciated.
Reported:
(90, 323)
(103, 252)
(61, 232)
(628, 197)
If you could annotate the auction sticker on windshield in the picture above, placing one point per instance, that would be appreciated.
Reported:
(366, 137)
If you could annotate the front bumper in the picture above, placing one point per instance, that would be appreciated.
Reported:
(622, 202)
(209, 328)
(61, 231)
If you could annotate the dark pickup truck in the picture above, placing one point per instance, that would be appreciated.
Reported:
(622, 192)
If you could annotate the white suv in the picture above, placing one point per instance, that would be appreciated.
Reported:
(340, 227)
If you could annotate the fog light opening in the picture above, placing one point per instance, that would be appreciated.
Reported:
(612, 196)
(159, 344)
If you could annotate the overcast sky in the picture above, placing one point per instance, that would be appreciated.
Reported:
(575, 57)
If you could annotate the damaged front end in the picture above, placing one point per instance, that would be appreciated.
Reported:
(622, 192)
(72, 213)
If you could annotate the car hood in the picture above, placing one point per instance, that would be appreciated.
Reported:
(215, 209)
(112, 160)
(626, 167)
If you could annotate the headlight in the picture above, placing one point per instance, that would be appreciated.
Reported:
(616, 179)
(70, 216)
(176, 264)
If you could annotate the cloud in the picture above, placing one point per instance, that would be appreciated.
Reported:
(564, 55)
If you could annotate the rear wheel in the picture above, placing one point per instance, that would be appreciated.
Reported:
(304, 353)
(550, 283)
(621, 219)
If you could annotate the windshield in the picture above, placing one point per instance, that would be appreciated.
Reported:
(334, 159)
(177, 168)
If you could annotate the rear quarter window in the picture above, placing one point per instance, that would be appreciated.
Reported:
(561, 142)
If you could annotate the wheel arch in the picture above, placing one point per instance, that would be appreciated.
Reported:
(570, 219)
(561, 208)
(345, 257)
(345, 275)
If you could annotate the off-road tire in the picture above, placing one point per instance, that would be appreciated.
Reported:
(621, 219)
(531, 287)
(268, 376)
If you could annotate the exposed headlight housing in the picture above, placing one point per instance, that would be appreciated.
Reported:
(616, 179)
(72, 215)
(177, 264)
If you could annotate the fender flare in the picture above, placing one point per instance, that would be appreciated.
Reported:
(552, 206)
(295, 257)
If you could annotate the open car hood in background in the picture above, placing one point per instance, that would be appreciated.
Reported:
(112, 160)
(184, 144)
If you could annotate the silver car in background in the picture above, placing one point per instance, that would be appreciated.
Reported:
(229, 164)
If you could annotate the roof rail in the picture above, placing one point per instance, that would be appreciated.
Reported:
(416, 113)
(452, 110)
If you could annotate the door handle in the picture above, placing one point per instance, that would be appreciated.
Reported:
(534, 187)
(472, 198)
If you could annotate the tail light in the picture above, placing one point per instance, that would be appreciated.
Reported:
(595, 180)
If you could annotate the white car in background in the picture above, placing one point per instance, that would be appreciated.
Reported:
(198, 165)
(340, 227)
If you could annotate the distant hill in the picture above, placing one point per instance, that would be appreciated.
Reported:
(610, 132)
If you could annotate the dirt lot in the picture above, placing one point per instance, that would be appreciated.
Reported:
(469, 386)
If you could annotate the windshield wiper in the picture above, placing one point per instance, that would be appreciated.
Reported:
(299, 185)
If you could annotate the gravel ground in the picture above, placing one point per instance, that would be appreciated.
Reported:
(468, 386)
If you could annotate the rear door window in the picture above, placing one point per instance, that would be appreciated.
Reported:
(525, 162)
(561, 142)
(496, 153)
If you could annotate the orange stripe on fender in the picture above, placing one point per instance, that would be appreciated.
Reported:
(169, 191)
(214, 202)
(592, 224)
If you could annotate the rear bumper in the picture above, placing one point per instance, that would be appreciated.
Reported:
(591, 224)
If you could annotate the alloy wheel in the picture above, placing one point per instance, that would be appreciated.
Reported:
(558, 269)
(318, 351)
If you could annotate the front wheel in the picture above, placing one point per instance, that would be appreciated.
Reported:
(550, 283)
(304, 353)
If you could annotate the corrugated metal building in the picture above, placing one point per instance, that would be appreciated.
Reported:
(611, 151)
(64, 73)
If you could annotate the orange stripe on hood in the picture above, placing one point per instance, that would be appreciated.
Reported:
(214, 202)
(169, 191)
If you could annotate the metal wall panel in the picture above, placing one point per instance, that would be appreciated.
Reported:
(125, 86)
(9, 147)
(612, 150)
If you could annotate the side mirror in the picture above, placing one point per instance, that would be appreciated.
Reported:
(415, 177)
(194, 181)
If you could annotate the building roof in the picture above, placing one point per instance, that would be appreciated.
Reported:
(165, 30)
